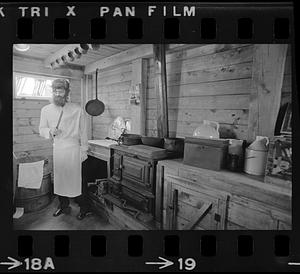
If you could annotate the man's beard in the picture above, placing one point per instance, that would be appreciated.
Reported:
(59, 100)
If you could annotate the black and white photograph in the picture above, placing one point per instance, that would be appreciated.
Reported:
(152, 137)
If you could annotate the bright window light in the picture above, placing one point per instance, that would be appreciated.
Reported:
(33, 86)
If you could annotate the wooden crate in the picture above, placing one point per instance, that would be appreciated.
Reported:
(279, 163)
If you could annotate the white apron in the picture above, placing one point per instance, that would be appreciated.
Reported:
(67, 167)
(67, 147)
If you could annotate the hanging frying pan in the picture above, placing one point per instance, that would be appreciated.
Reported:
(95, 107)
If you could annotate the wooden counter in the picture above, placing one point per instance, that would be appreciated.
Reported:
(233, 200)
(100, 149)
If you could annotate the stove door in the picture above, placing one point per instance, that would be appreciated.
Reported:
(137, 171)
(144, 203)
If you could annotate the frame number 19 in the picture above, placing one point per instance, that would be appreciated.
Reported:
(186, 264)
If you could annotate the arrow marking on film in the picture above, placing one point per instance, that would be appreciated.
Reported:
(13, 263)
(164, 263)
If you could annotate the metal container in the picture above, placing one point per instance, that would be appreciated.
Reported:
(205, 152)
(236, 153)
(153, 141)
(233, 162)
(256, 156)
(131, 139)
(174, 145)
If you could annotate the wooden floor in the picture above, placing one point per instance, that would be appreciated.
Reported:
(43, 220)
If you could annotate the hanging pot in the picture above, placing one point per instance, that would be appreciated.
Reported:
(58, 61)
(95, 46)
(52, 65)
(64, 59)
(77, 53)
(71, 56)
(95, 107)
(84, 48)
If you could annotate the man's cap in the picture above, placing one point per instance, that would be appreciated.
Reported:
(61, 83)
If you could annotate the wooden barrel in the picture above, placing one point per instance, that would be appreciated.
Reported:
(35, 199)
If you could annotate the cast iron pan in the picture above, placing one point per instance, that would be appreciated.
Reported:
(95, 107)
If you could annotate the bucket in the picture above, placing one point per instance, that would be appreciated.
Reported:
(35, 199)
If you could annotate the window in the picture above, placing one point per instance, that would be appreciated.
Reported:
(33, 86)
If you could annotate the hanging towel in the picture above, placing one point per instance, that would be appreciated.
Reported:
(31, 174)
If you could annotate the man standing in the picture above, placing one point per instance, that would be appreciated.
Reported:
(65, 123)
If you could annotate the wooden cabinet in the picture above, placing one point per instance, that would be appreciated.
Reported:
(194, 198)
(189, 207)
(100, 150)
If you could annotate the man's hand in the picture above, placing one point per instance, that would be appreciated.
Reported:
(55, 132)
(83, 155)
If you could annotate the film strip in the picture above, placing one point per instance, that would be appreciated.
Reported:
(185, 217)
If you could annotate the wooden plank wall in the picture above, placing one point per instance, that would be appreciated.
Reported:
(209, 82)
(113, 90)
(26, 115)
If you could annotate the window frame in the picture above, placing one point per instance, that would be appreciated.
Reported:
(33, 75)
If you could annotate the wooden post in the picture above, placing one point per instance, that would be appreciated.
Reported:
(86, 94)
(267, 78)
(174, 209)
(161, 89)
(139, 81)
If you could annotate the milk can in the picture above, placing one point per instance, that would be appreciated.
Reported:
(256, 156)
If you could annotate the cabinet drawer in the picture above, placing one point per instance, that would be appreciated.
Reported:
(255, 215)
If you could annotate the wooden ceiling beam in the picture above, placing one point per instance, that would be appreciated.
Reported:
(119, 58)
(141, 51)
